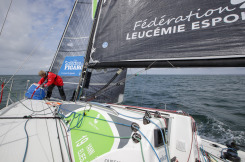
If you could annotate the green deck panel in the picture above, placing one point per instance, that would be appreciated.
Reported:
(87, 146)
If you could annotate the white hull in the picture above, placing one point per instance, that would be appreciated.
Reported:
(48, 140)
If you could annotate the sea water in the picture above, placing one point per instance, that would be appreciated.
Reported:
(216, 102)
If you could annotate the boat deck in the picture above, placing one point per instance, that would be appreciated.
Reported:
(44, 142)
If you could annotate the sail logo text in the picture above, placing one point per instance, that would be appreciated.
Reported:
(73, 65)
(191, 21)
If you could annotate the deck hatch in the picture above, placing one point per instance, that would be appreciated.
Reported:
(158, 137)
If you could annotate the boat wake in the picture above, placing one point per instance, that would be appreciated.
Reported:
(217, 131)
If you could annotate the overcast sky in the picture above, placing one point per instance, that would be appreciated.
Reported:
(36, 26)
(32, 26)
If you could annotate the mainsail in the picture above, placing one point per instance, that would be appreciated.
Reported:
(170, 33)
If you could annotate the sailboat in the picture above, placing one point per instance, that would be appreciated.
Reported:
(101, 40)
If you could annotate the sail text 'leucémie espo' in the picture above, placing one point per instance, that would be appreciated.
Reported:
(190, 22)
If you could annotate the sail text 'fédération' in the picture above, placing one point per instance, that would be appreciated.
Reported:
(191, 17)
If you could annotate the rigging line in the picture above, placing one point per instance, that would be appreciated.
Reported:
(150, 65)
(168, 154)
(50, 108)
(203, 154)
(29, 117)
(192, 125)
(42, 114)
(32, 52)
(93, 96)
(49, 140)
(125, 79)
(84, 115)
(164, 143)
(59, 141)
(28, 57)
(147, 139)
(6, 17)
(149, 143)
(141, 71)
(30, 109)
(143, 94)
(170, 64)
(27, 141)
(61, 122)
(142, 153)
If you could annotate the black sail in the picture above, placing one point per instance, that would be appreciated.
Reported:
(170, 33)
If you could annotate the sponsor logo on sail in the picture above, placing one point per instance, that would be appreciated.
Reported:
(198, 19)
(72, 66)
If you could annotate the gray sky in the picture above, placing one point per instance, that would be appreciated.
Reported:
(31, 25)
(36, 26)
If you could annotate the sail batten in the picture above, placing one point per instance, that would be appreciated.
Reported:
(190, 31)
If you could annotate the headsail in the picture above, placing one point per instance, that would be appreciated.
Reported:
(69, 57)
(187, 33)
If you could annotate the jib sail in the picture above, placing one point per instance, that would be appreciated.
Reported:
(69, 58)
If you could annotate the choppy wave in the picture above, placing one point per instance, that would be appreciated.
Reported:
(216, 102)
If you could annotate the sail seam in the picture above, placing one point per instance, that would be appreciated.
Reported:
(76, 37)
(73, 51)
(84, 2)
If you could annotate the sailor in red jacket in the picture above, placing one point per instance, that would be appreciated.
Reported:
(52, 81)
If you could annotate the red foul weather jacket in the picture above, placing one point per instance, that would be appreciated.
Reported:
(52, 79)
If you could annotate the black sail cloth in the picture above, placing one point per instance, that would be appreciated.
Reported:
(187, 33)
